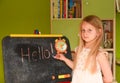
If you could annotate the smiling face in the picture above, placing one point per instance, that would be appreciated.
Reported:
(88, 32)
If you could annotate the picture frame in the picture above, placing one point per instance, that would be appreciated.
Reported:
(108, 33)
(118, 5)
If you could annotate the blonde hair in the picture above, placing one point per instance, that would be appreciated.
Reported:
(97, 23)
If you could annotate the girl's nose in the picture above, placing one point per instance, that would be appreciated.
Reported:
(86, 33)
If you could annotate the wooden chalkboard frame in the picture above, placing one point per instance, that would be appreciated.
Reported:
(37, 64)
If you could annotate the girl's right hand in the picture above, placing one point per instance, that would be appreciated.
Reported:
(60, 57)
(63, 58)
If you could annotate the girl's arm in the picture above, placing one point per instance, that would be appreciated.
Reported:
(105, 67)
(66, 60)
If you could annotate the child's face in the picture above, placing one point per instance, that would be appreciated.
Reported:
(88, 32)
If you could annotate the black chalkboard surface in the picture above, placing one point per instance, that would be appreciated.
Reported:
(30, 60)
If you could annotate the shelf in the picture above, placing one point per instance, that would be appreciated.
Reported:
(65, 9)
(109, 49)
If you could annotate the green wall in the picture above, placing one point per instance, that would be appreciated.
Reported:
(22, 16)
(117, 35)
(68, 28)
(118, 46)
(101, 8)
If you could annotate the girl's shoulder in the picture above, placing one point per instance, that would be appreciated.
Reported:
(102, 53)
(76, 49)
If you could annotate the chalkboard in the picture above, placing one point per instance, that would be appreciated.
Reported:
(30, 60)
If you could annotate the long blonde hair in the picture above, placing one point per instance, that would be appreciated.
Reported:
(97, 23)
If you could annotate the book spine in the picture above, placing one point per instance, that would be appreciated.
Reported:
(61, 10)
(52, 11)
(64, 9)
(55, 8)
(58, 8)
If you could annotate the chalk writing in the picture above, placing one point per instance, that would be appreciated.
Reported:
(36, 54)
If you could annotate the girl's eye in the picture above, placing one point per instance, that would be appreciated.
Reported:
(83, 30)
(89, 30)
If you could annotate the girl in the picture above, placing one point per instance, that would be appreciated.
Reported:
(91, 64)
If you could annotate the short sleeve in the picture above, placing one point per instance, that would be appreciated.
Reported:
(102, 52)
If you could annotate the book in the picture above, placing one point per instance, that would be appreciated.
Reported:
(74, 9)
(55, 8)
(61, 8)
(64, 8)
